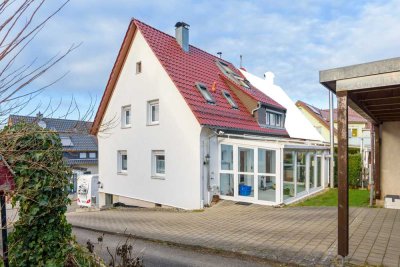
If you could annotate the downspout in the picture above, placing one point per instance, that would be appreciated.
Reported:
(332, 142)
(257, 108)
(206, 161)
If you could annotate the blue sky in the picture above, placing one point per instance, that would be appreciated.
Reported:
(293, 39)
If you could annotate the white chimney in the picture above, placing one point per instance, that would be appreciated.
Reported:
(182, 35)
(269, 77)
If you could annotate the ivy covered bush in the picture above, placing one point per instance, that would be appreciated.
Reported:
(42, 235)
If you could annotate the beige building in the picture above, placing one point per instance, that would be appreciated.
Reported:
(359, 128)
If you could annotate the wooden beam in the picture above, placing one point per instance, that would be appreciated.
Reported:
(377, 162)
(343, 186)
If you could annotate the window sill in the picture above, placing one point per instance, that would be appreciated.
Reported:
(158, 177)
(153, 124)
(122, 173)
(126, 127)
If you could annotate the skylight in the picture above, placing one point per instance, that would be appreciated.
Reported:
(231, 74)
(66, 141)
(205, 93)
(230, 100)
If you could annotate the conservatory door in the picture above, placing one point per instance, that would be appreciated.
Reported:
(245, 172)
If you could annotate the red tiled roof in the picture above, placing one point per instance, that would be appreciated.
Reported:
(186, 69)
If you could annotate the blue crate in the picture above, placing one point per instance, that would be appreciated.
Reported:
(244, 190)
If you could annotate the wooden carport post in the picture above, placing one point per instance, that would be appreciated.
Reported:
(343, 186)
(377, 161)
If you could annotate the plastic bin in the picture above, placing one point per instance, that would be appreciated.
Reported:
(244, 190)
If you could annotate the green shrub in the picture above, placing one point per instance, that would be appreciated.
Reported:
(354, 170)
(42, 235)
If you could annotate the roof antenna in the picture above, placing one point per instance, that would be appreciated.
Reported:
(219, 54)
(241, 61)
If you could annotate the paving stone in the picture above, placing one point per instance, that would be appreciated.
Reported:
(299, 235)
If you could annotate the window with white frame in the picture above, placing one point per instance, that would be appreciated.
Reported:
(246, 172)
(266, 176)
(226, 175)
(158, 163)
(126, 116)
(274, 119)
(92, 155)
(82, 155)
(122, 161)
(153, 112)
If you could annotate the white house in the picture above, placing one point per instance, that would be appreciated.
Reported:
(189, 125)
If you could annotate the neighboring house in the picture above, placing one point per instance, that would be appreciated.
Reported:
(359, 128)
(79, 146)
(296, 123)
(191, 126)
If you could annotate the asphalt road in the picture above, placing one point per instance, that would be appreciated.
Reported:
(157, 254)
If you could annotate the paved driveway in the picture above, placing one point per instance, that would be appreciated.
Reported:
(301, 235)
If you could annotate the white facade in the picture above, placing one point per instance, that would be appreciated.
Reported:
(178, 134)
(153, 149)
(296, 124)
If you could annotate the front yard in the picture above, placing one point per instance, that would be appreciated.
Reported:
(357, 198)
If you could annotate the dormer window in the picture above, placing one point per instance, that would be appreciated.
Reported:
(274, 119)
(205, 93)
(230, 99)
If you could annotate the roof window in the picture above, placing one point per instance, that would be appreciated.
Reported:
(230, 99)
(66, 141)
(205, 93)
(233, 75)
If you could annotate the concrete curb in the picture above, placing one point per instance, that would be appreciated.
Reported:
(216, 251)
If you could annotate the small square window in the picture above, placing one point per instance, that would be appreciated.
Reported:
(138, 67)
(158, 163)
(82, 155)
(122, 161)
(92, 155)
(153, 112)
(126, 116)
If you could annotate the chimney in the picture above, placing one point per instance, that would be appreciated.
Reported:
(269, 77)
(182, 35)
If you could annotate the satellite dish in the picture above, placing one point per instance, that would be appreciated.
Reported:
(42, 124)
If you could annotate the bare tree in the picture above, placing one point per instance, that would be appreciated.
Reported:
(20, 23)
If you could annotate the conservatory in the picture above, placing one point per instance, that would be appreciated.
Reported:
(271, 172)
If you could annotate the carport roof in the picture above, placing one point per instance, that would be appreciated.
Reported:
(373, 88)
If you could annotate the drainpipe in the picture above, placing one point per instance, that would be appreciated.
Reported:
(332, 142)
(257, 108)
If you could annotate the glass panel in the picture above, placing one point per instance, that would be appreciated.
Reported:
(154, 112)
(246, 159)
(160, 164)
(288, 182)
(288, 175)
(226, 184)
(226, 157)
(312, 172)
(288, 157)
(267, 188)
(246, 185)
(266, 161)
(124, 162)
(319, 170)
(272, 119)
(127, 117)
(301, 172)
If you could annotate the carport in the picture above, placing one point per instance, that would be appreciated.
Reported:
(373, 90)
